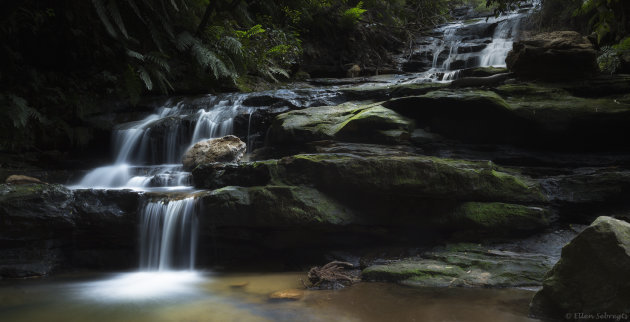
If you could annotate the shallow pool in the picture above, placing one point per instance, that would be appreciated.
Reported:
(202, 296)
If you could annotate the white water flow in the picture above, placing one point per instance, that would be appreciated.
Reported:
(148, 152)
(168, 235)
(467, 44)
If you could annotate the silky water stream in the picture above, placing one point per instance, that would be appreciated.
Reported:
(167, 287)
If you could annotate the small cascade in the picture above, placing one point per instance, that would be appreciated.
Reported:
(481, 42)
(168, 235)
(148, 152)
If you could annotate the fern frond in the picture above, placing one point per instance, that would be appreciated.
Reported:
(112, 7)
(208, 59)
(174, 5)
(99, 6)
(159, 60)
(162, 81)
(168, 28)
(184, 41)
(232, 46)
(135, 54)
(20, 112)
(145, 77)
(155, 35)
(214, 32)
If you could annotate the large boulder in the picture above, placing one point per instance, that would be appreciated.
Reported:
(591, 277)
(553, 55)
(226, 149)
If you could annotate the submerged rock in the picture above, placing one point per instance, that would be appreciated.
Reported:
(288, 294)
(226, 149)
(464, 265)
(592, 275)
(553, 55)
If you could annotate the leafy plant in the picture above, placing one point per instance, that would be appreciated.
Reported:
(352, 15)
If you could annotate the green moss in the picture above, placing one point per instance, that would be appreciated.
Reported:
(349, 122)
(501, 216)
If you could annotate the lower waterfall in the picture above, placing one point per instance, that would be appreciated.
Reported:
(168, 235)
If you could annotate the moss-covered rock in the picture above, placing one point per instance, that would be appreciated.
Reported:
(464, 265)
(386, 176)
(466, 115)
(273, 206)
(385, 92)
(560, 120)
(347, 122)
(410, 176)
(591, 276)
(482, 71)
(497, 217)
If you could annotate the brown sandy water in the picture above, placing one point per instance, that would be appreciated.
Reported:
(195, 296)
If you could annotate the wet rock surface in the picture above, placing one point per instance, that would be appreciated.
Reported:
(591, 276)
(553, 55)
(464, 265)
(48, 227)
(225, 149)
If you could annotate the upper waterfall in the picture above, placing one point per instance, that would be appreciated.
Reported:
(479, 42)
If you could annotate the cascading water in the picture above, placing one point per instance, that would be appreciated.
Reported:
(148, 152)
(168, 235)
(478, 43)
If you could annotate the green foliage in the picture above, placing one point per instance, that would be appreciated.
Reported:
(352, 15)
(610, 57)
(60, 59)
(608, 60)
(607, 18)
(502, 6)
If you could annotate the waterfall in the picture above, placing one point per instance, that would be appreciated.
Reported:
(148, 152)
(456, 46)
(168, 235)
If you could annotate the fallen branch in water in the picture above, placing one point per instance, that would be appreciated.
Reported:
(333, 275)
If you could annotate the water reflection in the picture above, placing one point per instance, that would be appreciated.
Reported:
(195, 296)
